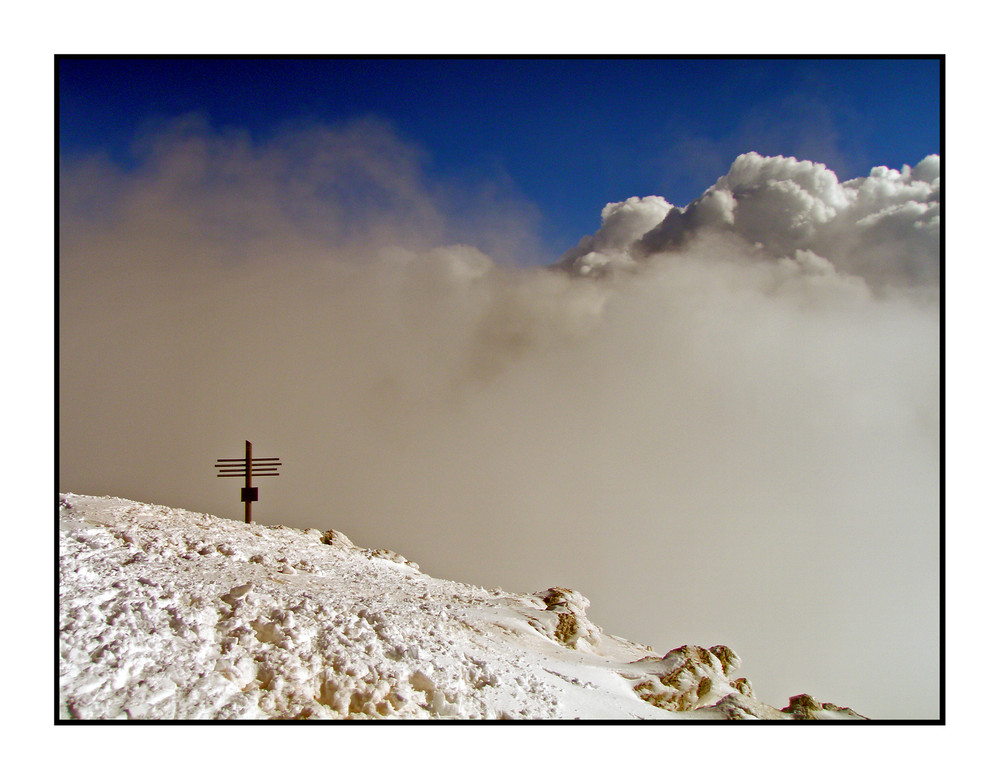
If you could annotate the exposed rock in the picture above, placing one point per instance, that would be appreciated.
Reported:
(686, 678)
(693, 678)
(727, 657)
(389, 555)
(805, 707)
(335, 538)
(742, 707)
(742, 684)
(565, 619)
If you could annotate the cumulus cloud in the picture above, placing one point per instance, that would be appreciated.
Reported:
(883, 227)
(732, 441)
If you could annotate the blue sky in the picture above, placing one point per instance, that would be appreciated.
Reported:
(568, 136)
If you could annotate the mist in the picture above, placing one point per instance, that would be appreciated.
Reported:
(719, 422)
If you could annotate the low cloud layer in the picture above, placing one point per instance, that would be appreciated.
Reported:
(720, 423)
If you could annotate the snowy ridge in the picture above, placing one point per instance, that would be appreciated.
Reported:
(170, 614)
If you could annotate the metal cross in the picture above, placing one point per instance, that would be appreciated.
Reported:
(248, 467)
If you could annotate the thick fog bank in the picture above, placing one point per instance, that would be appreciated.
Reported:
(720, 423)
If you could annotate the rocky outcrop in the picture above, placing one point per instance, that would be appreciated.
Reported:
(805, 707)
(692, 678)
(565, 619)
(688, 678)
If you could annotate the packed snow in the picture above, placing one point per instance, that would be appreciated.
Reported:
(171, 614)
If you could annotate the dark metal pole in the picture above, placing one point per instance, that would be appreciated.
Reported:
(249, 462)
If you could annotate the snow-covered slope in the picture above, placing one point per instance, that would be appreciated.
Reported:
(170, 614)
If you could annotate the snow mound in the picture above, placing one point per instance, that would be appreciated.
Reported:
(170, 614)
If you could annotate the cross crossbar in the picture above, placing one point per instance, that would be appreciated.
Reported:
(244, 468)
(242, 460)
(254, 469)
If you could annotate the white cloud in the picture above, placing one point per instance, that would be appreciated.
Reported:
(883, 227)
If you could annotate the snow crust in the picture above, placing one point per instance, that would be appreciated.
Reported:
(171, 614)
